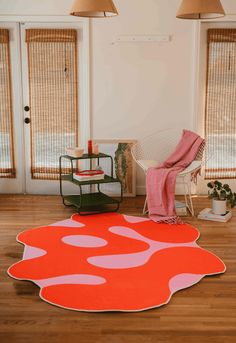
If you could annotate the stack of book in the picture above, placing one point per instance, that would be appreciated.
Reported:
(89, 175)
(207, 214)
(181, 209)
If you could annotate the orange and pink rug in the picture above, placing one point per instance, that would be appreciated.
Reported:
(112, 262)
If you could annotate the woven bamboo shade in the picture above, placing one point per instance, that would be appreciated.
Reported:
(53, 93)
(7, 164)
(221, 104)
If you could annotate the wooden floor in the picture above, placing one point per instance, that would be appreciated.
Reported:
(205, 312)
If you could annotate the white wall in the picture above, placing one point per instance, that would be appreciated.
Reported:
(34, 7)
(136, 88)
(141, 87)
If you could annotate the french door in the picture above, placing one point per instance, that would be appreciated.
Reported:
(47, 113)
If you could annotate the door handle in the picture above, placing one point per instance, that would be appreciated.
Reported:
(27, 120)
(26, 108)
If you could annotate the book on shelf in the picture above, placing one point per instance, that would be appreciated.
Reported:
(207, 214)
(89, 175)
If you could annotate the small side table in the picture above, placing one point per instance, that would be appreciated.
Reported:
(93, 202)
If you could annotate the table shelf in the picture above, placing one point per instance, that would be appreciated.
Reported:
(107, 179)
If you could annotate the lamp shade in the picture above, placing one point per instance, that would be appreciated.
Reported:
(200, 9)
(93, 8)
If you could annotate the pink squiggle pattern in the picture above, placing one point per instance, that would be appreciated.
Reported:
(134, 220)
(130, 233)
(75, 279)
(182, 281)
(68, 223)
(121, 261)
(32, 252)
(84, 241)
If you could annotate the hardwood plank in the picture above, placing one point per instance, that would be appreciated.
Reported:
(204, 313)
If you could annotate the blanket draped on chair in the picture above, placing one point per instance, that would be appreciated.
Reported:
(161, 180)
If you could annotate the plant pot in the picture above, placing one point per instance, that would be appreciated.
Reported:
(219, 206)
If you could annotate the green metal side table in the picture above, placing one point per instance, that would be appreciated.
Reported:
(93, 202)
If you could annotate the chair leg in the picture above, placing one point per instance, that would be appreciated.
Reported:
(145, 209)
(188, 197)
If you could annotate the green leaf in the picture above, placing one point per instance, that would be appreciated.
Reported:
(210, 185)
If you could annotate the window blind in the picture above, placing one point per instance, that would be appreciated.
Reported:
(7, 163)
(220, 116)
(53, 87)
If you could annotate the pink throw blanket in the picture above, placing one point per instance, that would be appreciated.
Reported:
(161, 180)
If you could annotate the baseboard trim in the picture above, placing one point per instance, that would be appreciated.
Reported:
(141, 190)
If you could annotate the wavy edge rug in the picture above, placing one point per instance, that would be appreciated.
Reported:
(176, 283)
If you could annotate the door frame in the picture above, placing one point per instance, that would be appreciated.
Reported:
(200, 63)
(16, 185)
(44, 186)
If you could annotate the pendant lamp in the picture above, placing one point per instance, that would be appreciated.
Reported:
(93, 8)
(200, 9)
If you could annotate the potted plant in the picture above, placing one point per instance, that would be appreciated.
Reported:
(221, 195)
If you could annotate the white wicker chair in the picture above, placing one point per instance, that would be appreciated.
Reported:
(155, 149)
